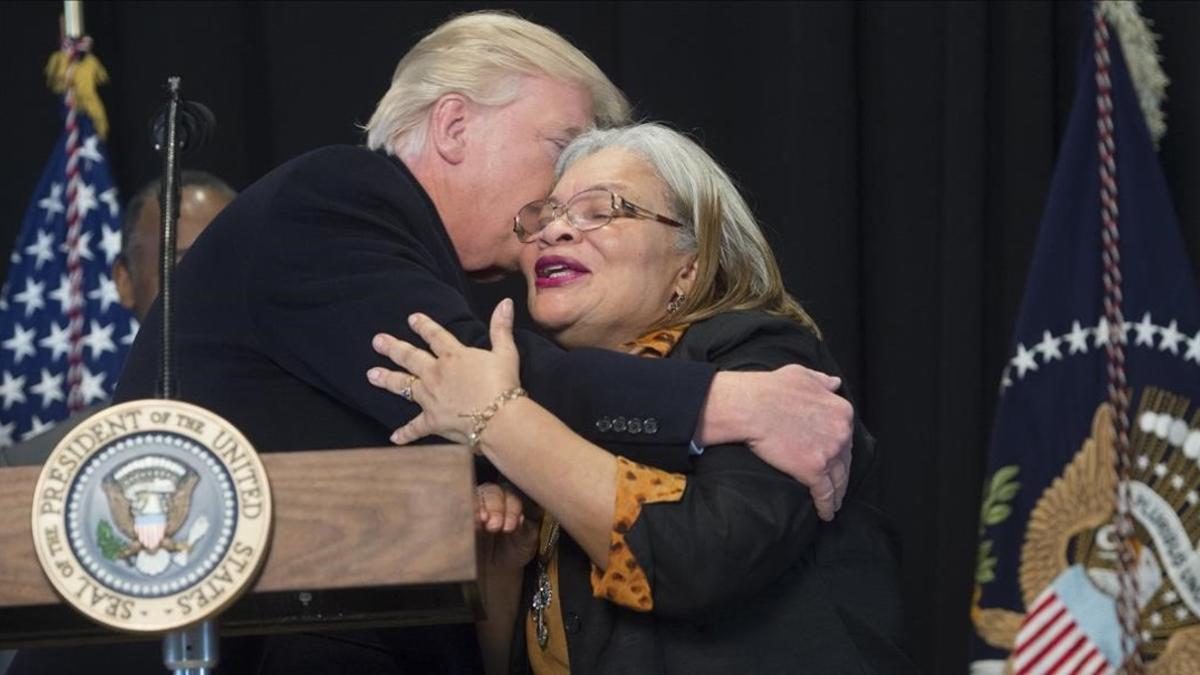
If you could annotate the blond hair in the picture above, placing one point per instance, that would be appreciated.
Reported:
(736, 268)
(483, 56)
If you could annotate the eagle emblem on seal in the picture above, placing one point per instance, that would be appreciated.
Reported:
(149, 499)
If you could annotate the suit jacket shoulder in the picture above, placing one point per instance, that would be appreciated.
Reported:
(346, 193)
(354, 176)
(754, 340)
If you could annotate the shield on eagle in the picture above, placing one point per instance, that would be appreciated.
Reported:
(149, 499)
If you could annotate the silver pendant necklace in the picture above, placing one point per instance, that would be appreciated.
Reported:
(543, 594)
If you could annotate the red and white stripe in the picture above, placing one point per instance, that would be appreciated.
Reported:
(1050, 641)
(151, 534)
(75, 302)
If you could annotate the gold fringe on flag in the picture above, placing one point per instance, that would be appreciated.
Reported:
(1139, 43)
(86, 76)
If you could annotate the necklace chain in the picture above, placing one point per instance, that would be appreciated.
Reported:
(543, 594)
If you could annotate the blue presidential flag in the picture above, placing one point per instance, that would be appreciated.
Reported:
(38, 344)
(1047, 577)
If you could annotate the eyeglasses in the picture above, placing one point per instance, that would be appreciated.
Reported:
(587, 210)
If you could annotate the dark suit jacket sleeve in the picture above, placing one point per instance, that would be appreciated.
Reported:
(361, 251)
(740, 523)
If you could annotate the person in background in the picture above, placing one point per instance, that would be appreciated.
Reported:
(646, 247)
(135, 272)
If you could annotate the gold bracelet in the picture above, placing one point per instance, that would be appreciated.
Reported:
(480, 418)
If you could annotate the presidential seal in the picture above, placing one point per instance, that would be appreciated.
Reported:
(152, 515)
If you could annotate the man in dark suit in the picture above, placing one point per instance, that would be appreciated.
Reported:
(280, 298)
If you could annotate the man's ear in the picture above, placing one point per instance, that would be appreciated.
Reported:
(124, 281)
(448, 127)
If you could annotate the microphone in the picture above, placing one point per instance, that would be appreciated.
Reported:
(195, 125)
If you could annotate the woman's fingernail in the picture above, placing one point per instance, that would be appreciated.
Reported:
(373, 376)
(395, 437)
(377, 342)
(506, 308)
(413, 319)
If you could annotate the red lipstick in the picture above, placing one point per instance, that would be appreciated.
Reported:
(556, 270)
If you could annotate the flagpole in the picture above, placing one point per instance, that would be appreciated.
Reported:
(73, 19)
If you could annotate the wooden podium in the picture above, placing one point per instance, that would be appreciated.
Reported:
(366, 537)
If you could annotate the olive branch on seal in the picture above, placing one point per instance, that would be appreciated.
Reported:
(110, 544)
(995, 510)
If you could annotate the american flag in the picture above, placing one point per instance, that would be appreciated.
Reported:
(35, 331)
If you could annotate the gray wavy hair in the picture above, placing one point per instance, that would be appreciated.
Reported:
(483, 56)
(736, 268)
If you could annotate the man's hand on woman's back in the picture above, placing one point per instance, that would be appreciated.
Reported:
(793, 420)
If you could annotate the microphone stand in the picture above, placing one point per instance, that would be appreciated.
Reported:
(193, 650)
(169, 196)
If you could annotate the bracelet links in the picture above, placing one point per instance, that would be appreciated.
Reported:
(480, 418)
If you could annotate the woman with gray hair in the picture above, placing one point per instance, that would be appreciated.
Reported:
(645, 246)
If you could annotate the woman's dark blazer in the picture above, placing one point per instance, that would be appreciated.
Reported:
(745, 577)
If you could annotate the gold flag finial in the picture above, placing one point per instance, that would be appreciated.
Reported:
(86, 75)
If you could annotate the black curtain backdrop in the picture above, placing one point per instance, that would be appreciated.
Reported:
(899, 155)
